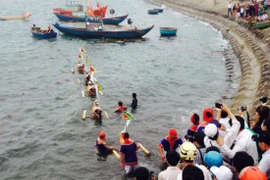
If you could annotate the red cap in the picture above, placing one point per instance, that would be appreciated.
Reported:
(172, 131)
(208, 114)
(193, 120)
(102, 135)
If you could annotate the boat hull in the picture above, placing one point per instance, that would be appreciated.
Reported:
(160, 10)
(153, 11)
(41, 35)
(262, 25)
(110, 34)
(167, 31)
(109, 20)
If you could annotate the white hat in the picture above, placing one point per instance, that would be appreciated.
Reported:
(222, 173)
(210, 130)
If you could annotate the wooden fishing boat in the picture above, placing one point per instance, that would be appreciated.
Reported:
(152, 11)
(106, 20)
(43, 34)
(8, 18)
(94, 32)
(261, 25)
(168, 31)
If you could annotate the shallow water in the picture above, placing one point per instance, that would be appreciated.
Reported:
(42, 135)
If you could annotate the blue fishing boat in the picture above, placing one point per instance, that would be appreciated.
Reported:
(43, 34)
(93, 32)
(160, 10)
(152, 11)
(168, 31)
(106, 20)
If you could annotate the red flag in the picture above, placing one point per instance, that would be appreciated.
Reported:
(92, 69)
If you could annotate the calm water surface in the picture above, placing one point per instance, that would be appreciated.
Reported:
(42, 135)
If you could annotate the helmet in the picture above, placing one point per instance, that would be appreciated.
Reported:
(213, 158)
(188, 151)
(102, 135)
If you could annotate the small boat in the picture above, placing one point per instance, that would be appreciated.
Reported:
(94, 32)
(8, 18)
(160, 10)
(109, 20)
(152, 11)
(168, 31)
(261, 25)
(39, 33)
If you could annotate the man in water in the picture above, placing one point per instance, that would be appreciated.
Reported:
(170, 142)
(101, 145)
(128, 156)
(134, 101)
(96, 111)
(121, 107)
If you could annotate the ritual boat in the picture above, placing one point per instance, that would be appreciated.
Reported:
(94, 32)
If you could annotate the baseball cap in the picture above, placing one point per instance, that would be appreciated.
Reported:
(102, 135)
(263, 136)
(210, 130)
(208, 114)
(222, 173)
(172, 131)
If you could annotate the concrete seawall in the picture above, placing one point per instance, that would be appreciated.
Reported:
(250, 46)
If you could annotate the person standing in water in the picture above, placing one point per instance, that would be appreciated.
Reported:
(121, 107)
(134, 103)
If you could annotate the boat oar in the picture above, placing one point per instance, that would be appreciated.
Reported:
(116, 153)
(72, 70)
(106, 114)
(144, 149)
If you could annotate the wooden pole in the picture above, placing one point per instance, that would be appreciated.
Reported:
(144, 149)
(83, 93)
(116, 153)
(84, 115)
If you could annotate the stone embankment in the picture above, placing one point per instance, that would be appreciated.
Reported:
(250, 46)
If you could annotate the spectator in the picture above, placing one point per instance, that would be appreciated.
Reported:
(198, 142)
(207, 117)
(266, 124)
(264, 143)
(213, 158)
(191, 172)
(243, 142)
(172, 171)
(243, 164)
(187, 154)
(195, 120)
(222, 173)
(142, 173)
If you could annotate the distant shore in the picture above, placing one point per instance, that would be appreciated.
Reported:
(250, 46)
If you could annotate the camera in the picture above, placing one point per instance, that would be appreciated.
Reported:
(264, 99)
(218, 105)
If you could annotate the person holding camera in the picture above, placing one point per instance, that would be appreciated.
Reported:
(262, 112)
(243, 142)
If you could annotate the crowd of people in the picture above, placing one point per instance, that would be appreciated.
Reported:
(220, 146)
(252, 9)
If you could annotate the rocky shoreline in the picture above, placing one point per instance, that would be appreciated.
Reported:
(252, 47)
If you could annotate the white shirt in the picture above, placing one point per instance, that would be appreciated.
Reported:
(228, 138)
(243, 142)
(206, 173)
(225, 122)
(229, 5)
(170, 173)
(264, 164)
